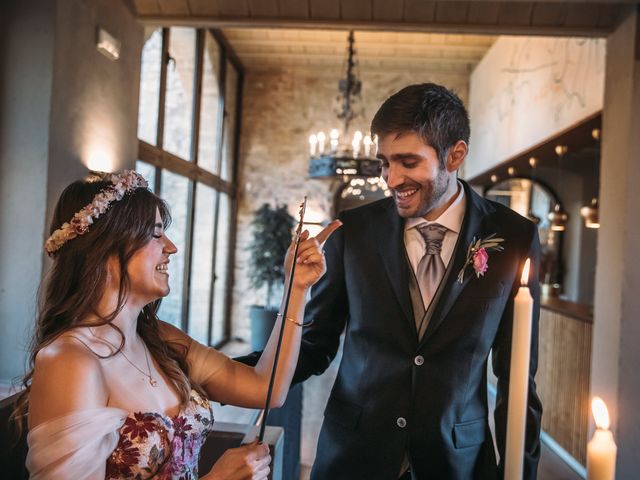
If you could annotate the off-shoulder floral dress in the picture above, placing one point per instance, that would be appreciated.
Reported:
(135, 445)
(160, 446)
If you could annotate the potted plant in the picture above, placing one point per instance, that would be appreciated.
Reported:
(271, 238)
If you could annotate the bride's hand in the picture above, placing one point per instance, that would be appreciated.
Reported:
(248, 462)
(310, 264)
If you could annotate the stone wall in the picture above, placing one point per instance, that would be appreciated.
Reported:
(280, 110)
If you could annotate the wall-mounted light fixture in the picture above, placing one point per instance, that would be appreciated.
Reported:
(558, 217)
(590, 214)
(107, 44)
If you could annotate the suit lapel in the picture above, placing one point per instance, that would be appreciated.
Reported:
(472, 226)
(392, 252)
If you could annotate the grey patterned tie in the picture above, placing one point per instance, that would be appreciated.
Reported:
(431, 267)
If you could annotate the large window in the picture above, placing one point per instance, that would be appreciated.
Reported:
(190, 87)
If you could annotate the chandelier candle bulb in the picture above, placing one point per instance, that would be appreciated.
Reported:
(313, 143)
(321, 139)
(355, 146)
(334, 135)
(367, 145)
(519, 378)
(601, 450)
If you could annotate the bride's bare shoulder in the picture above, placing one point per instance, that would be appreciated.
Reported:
(67, 377)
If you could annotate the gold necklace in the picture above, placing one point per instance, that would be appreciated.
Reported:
(152, 381)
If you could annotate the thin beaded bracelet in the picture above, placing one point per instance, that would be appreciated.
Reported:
(295, 322)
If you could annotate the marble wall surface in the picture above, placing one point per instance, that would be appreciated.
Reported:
(527, 89)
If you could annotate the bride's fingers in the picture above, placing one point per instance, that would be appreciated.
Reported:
(314, 257)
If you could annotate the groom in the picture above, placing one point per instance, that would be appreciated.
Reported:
(420, 317)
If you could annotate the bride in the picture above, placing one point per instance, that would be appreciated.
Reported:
(113, 391)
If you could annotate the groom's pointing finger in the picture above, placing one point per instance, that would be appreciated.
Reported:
(328, 230)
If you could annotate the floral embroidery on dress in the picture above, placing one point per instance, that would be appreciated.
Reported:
(162, 447)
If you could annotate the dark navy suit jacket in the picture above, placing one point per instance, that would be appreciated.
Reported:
(386, 402)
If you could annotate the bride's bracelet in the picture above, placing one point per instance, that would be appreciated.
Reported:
(291, 320)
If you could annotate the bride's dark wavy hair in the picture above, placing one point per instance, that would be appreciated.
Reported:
(77, 279)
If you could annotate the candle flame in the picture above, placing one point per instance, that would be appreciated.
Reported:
(600, 413)
(524, 279)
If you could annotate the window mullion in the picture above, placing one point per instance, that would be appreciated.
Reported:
(191, 200)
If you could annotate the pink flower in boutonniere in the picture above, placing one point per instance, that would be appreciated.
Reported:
(481, 261)
(478, 255)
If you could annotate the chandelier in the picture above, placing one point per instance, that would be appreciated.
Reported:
(341, 155)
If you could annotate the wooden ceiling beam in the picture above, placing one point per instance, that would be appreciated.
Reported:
(240, 44)
(603, 28)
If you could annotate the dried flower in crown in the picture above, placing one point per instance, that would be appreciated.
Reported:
(121, 184)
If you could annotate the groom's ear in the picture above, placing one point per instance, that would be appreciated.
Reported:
(456, 156)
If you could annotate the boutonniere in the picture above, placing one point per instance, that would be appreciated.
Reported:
(478, 254)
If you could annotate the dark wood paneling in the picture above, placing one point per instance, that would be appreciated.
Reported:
(452, 12)
(386, 11)
(419, 11)
(204, 7)
(356, 9)
(515, 14)
(484, 13)
(293, 8)
(263, 8)
(549, 14)
(324, 9)
(174, 7)
(576, 137)
(581, 15)
(608, 15)
(146, 7)
(564, 368)
(233, 8)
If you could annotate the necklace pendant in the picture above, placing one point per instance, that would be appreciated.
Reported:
(153, 382)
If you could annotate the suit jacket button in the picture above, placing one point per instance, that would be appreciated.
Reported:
(401, 422)
(419, 360)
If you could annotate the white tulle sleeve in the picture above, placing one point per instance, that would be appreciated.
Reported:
(205, 362)
(75, 446)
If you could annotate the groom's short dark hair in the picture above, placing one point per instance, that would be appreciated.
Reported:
(433, 112)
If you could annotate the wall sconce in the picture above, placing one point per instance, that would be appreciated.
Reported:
(511, 171)
(107, 44)
(494, 178)
(590, 214)
(558, 217)
(533, 163)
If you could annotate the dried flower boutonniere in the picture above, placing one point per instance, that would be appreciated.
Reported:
(478, 254)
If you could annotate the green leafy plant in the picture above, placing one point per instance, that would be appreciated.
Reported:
(271, 238)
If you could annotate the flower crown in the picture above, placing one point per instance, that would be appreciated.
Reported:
(121, 184)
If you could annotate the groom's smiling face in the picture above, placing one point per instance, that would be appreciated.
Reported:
(413, 173)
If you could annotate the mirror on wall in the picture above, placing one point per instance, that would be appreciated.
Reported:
(535, 201)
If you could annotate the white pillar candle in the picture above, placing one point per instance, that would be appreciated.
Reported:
(321, 138)
(601, 450)
(313, 143)
(519, 379)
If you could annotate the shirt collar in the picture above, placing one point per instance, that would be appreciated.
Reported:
(451, 218)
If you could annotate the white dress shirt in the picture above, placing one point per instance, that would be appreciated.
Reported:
(416, 247)
(451, 218)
